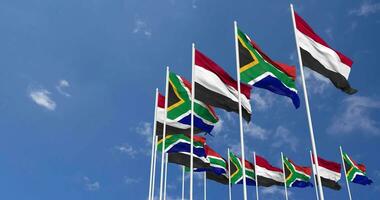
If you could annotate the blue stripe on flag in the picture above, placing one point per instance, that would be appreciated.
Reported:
(198, 122)
(362, 180)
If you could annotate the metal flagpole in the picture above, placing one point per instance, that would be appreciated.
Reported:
(345, 174)
(166, 174)
(307, 107)
(283, 174)
(183, 182)
(153, 144)
(164, 133)
(229, 175)
(192, 121)
(257, 181)
(315, 181)
(204, 186)
(240, 112)
(154, 163)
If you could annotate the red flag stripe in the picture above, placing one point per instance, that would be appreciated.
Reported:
(260, 161)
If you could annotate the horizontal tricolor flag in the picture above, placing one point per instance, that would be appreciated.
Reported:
(317, 55)
(268, 175)
(329, 172)
(355, 172)
(178, 149)
(258, 70)
(295, 175)
(216, 87)
(236, 171)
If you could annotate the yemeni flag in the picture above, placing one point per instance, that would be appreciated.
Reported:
(317, 55)
(329, 172)
(178, 149)
(268, 175)
(295, 175)
(355, 172)
(216, 87)
(258, 70)
(236, 168)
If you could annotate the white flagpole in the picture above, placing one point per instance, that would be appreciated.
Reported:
(315, 181)
(164, 133)
(307, 107)
(183, 182)
(166, 174)
(283, 174)
(204, 185)
(257, 181)
(229, 175)
(240, 111)
(154, 163)
(153, 146)
(345, 175)
(192, 120)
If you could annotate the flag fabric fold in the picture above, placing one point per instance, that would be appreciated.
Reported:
(236, 168)
(355, 172)
(258, 70)
(295, 175)
(216, 87)
(268, 175)
(317, 55)
(329, 172)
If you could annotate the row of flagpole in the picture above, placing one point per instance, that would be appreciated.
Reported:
(162, 192)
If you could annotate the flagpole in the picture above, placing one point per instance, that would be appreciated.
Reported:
(153, 144)
(307, 107)
(315, 181)
(204, 186)
(183, 182)
(229, 175)
(345, 174)
(164, 133)
(154, 163)
(192, 121)
(166, 174)
(240, 112)
(257, 181)
(283, 174)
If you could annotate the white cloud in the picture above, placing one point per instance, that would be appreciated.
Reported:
(127, 149)
(91, 185)
(141, 27)
(194, 4)
(256, 131)
(130, 180)
(41, 97)
(356, 116)
(278, 191)
(366, 8)
(218, 127)
(283, 137)
(315, 82)
(262, 100)
(145, 129)
(62, 84)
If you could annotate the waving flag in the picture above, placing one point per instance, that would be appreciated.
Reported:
(236, 168)
(268, 175)
(179, 105)
(317, 55)
(329, 172)
(296, 176)
(178, 149)
(216, 87)
(355, 172)
(257, 69)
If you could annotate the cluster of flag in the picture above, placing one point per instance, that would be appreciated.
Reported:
(212, 87)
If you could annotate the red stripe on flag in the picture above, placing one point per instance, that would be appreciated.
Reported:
(304, 28)
(161, 100)
(306, 170)
(333, 166)
(202, 61)
(260, 161)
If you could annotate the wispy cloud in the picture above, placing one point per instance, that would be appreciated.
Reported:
(145, 129)
(62, 85)
(271, 191)
(329, 33)
(130, 180)
(194, 4)
(91, 185)
(316, 83)
(256, 131)
(262, 100)
(366, 8)
(41, 97)
(127, 149)
(283, 137)
(142, 28)
(355, 115)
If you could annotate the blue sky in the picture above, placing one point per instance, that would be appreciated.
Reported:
(77, 88)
